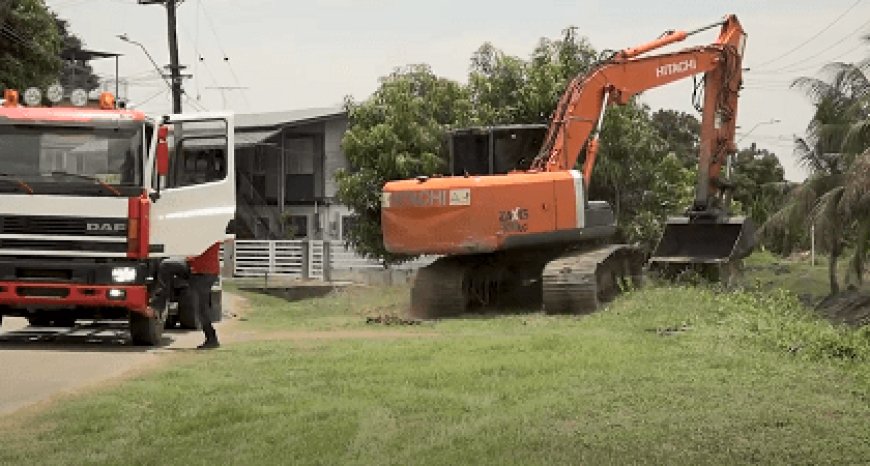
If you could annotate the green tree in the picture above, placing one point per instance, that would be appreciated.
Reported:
(681, 132)
(638, 176)
(834, 150)
(75, 72)
(759, 183)
(508, 90)
(29, 44)
(396, 133)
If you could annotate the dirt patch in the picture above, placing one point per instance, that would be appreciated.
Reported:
(296, 293)
(391, 319)
(308, 335)
(231, 332)
(850, 307)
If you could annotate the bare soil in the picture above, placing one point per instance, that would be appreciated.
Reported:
(849, 307)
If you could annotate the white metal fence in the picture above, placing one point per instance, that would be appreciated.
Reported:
(303, 259)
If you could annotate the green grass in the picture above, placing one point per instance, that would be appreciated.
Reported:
(678, 376)
(796, 274)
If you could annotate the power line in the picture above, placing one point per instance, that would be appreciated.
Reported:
(805, 59)
(149, 99)
(828, 61)
(224, 52)
(822, 31)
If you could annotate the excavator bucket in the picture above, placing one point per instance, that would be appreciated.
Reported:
(712, 248)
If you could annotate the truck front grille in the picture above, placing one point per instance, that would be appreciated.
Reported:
(61, 226)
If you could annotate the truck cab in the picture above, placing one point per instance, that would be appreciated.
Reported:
(106, 213)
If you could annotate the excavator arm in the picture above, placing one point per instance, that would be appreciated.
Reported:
(578, 117)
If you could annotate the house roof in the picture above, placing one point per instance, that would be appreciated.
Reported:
(292, 117)
(253, 138)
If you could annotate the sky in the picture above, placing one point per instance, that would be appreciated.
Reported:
(272, 55)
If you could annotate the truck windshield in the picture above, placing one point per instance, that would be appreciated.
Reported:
(92, 156)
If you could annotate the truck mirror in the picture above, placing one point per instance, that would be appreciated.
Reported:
(162, 151)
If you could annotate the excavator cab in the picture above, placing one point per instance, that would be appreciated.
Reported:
(712, 248)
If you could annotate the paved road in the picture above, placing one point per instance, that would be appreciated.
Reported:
(39, 363)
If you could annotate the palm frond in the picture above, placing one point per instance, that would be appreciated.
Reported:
(856, 199)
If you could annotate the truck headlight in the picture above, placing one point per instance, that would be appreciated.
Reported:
(124, 274)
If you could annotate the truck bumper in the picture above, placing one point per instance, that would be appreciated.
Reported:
(46, 294)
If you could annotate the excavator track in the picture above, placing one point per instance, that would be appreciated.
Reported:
(580, 282)
(440, 289)
(573, 282)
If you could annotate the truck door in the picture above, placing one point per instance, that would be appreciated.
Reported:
(196, 200)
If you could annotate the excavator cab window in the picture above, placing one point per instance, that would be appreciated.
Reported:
(494, 149)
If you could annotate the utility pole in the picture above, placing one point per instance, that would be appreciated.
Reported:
(174, 68)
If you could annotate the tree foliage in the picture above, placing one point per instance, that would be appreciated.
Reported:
(833, 199)
(396, 133)
(638, 176)
(29, 45)
(75, 72)
(508, 90)
(681, 132)
(759, 183)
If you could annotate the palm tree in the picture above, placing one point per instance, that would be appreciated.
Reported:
(835, 197)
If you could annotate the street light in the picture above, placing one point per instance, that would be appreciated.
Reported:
(771, 121)
(126, 38)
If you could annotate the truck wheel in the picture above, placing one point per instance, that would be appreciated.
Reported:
(148, 331)
(188, 316)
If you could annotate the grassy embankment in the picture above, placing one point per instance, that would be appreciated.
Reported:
(689, 376)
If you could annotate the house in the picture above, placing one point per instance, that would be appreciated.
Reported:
(285, 175)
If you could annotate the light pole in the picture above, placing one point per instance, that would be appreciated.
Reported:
(126, 38)
(771, 121)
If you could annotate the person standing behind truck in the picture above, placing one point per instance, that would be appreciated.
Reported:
(204, 273)
(201, 284)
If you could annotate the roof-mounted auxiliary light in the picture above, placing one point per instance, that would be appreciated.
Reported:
(54, 93)
(32, 96)
(78, 97)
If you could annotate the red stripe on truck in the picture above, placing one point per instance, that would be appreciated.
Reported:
(22, 294)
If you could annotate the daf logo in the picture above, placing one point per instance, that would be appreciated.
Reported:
(106, 227)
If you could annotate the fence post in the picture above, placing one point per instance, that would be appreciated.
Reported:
(307, 244)
(270, 247)
(327, 261)
(229, 265)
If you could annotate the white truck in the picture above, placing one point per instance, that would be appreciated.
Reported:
(106, 213)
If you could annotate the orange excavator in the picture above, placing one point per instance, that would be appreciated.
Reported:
(532, 237)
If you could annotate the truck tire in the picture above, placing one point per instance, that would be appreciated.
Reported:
(148, 331)
(188, 317)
